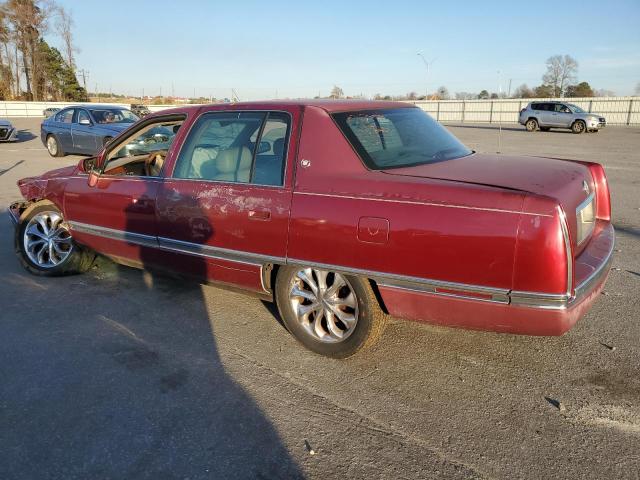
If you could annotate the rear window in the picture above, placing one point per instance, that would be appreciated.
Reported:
(396, 138)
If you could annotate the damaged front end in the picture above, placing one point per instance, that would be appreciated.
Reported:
(15, 210)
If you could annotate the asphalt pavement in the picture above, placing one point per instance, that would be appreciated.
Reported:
(116, 374)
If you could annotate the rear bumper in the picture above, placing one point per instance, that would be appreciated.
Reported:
(527, 314)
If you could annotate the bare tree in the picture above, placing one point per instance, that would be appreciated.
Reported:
(561, 70)
(523, 91)
(443, 93)
(64, 24)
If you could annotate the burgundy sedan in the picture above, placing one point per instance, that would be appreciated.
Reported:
(341, 212)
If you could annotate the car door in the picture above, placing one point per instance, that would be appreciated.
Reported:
(60, 126)
(117, 215)
(228, 198)
(83, 132)
(551, 115)
(562, 115)
(545, 114)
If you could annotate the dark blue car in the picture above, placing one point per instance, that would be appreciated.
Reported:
(84, 129)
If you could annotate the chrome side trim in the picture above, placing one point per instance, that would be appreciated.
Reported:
(538, 300)
(416, 202)
(416, 284)
(129, 237)
(391, 280)
(200, 250)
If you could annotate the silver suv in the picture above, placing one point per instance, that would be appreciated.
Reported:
(547, 115)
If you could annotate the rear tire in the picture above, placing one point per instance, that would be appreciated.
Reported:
(330, 313)
(531, 125)
(578, 127)
(53, 146)
(44, 245)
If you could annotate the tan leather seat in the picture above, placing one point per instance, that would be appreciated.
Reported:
(203, 163)
(234, 165)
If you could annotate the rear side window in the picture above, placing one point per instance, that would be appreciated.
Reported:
(400, 137)
(242, 147)
(65, 116)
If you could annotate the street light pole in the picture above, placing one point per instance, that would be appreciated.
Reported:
(426, 64)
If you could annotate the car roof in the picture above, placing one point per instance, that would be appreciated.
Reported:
(329, 105)
(95, 105)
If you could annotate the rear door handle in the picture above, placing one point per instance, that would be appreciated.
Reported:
(260, 215)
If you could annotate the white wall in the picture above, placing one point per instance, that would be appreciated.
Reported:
(617, 110)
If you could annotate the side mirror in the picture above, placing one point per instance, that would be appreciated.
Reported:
(88, 164)
(94, 175)
(84, 121)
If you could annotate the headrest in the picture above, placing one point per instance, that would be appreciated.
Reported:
(234, 159)
(278, 147)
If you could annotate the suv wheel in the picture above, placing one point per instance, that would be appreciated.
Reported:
(578, 127)
(328, 312)
(531, 125)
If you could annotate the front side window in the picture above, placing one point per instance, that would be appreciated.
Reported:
(243, 147)
(143, 152)
(400, 137)
(561, 108)
(113, 115)
(576, 109)
(83, 116)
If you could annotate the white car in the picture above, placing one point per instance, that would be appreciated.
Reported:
(7, 132)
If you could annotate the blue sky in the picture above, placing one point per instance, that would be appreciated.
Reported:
(297, 48)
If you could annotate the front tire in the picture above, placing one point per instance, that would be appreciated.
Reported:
(531, 125)
(578, 127)
(53, 147)
(328, 312)
(44, 245)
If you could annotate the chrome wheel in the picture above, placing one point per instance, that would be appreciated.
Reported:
(531, 125)
(579, 127)
(47, 241)
(324, 304)
(52, 145)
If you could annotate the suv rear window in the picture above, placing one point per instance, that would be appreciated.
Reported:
(400, 137)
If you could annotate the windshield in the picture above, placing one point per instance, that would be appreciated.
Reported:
(399, 137)
(575, 108)
(113, 115)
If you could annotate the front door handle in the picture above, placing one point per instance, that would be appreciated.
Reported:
(260, 215)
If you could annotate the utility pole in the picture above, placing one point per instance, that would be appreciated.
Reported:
(499, 115)
(509, 90)
(85, 74)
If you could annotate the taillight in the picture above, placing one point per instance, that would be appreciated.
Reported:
(603, 199)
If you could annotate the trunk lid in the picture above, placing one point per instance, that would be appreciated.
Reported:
(560, 179)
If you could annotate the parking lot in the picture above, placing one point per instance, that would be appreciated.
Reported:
(116, 374)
